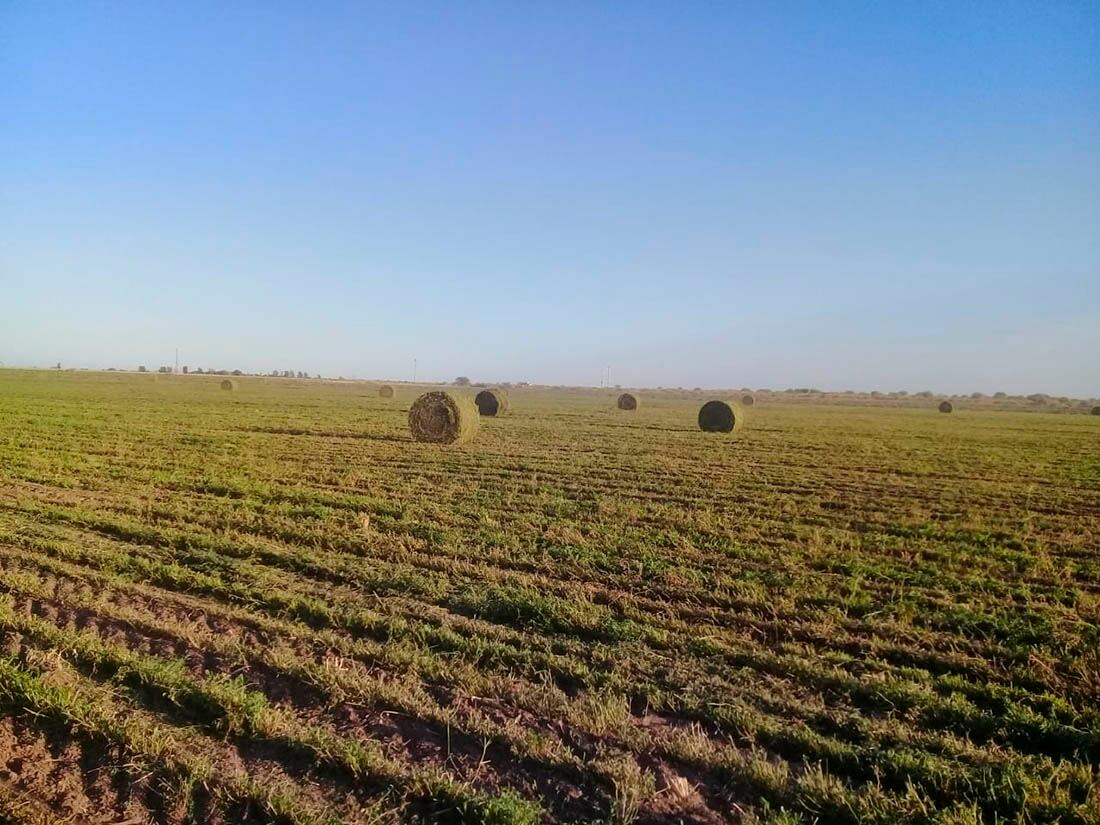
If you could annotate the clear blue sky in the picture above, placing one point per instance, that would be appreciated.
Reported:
(844, 195)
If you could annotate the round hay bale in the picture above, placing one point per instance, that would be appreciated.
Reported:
(945, 407)
(441, 417)
(721, 417)
(747, 400)
(627, 401)
(231, 385)
(386, 391)
(1096, 410)
(492, 402)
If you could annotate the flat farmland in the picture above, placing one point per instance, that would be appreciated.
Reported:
(272, 605)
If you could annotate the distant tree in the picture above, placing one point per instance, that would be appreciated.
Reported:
(142, 368)
(924, 394)
(237, 372)
(462, 381)
(185, 370)
(164, 370)
(198, 371)
(1000, 395)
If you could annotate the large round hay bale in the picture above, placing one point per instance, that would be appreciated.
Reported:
(440, 417)
(721, 417)
(747, 400)
(945, 407)
(492, 402)
(1096, 410)
(386, 391)
(230, 384)
(627, 401)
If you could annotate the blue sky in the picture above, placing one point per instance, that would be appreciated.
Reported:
(844, 195)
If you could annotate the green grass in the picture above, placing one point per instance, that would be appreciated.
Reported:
(853, 610)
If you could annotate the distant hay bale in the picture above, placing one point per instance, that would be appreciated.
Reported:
(721, 417)
(492, 402)
(945, 407)
(1096, 410)
(441, 417)
(386, 391)
(231, 385)
(747, 400)
(627, 401)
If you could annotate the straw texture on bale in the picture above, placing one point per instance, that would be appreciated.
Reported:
(230, 384)
(492, 402)
(747, 400)
(946, 407)
(721, 417)
(441, 417)
(386, 391)
(627, 401)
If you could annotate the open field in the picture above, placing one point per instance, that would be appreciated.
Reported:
(272, 605)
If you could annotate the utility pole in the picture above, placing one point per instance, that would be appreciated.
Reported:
(414, 370)
(176, 371)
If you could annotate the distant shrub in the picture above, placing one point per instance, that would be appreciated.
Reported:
(462, 381)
